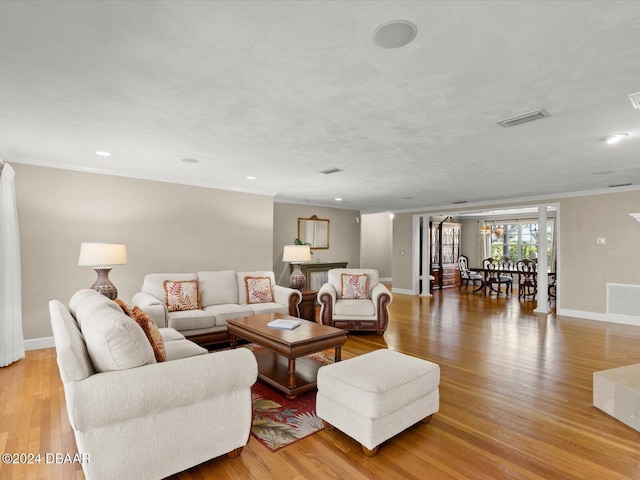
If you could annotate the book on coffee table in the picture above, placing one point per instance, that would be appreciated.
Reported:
(283, 324)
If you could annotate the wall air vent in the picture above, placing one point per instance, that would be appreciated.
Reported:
(623, 299)
(331, 170)
(523, 118)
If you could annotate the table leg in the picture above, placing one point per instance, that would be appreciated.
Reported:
(233, 339)
(292, 372)
(337, 355)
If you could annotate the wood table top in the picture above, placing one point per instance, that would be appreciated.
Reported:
(307, 331)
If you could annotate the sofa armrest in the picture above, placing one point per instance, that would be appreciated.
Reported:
(118, 396)
(155, 308)
(288, 296)
(327, 298)
(381, 297)
(377, 291)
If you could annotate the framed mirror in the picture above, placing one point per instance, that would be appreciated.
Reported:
(315, 231)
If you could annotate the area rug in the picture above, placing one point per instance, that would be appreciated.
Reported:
(278, 421)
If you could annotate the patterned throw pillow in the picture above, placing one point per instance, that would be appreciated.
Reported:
(151, 331)
(355, 286)
(125, 308)
(181, 295)
(258, 289)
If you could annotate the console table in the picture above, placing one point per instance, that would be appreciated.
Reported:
(316, 273)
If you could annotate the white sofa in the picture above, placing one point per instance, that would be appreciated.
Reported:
(137, 419)
(222, 296)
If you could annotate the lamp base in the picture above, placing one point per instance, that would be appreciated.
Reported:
(103, 284)
(297, 279)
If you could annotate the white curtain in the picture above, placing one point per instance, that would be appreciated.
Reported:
(11, 341)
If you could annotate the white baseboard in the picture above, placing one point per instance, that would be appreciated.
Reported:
(402, 290)
(38, 343)
(600, 317)
(385, 280)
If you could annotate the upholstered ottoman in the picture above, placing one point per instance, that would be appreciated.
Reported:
(375, 396)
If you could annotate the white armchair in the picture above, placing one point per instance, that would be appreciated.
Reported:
(354, 299)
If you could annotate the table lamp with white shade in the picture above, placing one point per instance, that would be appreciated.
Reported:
(101, 256)
(296, 255)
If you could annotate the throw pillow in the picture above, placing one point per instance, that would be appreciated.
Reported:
(125, 308)
(152, 332)
(181, 295)
(355, 286)
(258, 289)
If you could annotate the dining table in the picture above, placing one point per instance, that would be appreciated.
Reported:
(501, 271)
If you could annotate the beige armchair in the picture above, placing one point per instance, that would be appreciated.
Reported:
(354, 299)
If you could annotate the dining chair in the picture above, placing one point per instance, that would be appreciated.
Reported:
(507, 264)
(495, 278)
(527, 278)
(467, 275)
(552, 288)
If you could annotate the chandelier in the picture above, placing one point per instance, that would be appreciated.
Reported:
(487, 230)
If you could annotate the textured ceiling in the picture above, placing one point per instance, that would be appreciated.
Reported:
(283, 90)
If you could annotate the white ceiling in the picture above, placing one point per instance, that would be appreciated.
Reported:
(282, 90)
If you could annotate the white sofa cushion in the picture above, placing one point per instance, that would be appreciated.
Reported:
(88, 299)
(354, 308)
(222, 313)
(271, 307)
(191, 319)
(81, 295)
(170, 334)
(334, 277)
(242, 289)
(217, 288)
(177, 349)
(114, 340)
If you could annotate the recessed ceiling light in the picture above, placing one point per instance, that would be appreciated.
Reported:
(338, 199)
(635, 100)
(103, 154)
(615, 138)
(190, 160)
(395, 34)
(251, 177)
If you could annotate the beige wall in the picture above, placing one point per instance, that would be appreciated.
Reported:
(166, 227)
(344, 235)
(585, 267)
(376, 243)
(402, 256)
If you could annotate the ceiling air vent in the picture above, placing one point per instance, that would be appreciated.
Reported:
(523, 118)
(331, 170)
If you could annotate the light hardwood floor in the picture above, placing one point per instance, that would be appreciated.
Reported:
(516, 402)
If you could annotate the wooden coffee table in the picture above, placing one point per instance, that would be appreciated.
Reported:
(282, 362)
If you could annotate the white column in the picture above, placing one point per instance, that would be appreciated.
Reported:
(426, 257)
(543, 276)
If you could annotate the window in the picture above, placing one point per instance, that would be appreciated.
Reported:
(518, 240)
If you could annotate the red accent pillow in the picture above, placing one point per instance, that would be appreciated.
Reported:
(125, 308)
(152, 332)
